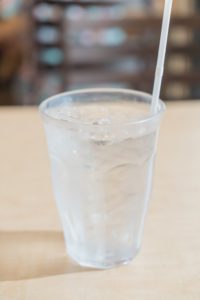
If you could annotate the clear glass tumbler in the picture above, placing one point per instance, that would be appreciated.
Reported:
(102, 144)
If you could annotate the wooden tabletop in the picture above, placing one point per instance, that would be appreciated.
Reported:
(33, 264)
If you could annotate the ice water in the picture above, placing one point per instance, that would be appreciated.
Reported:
(101, 169)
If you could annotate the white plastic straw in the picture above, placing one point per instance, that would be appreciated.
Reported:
(161, 55)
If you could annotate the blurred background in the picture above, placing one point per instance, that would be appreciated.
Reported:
(49, 46)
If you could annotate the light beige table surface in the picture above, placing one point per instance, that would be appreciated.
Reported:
(33, 264)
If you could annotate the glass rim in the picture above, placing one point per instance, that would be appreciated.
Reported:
(149, 117)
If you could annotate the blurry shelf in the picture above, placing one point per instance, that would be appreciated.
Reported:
(80, 2)
(38, 23)
(95, 75)
(139, 21)
(186, 50)
(83, 77)
(187, 78)
(83, 52)
(94, 51)
(106, 51)
(142, 21)
(41, 45)
(191, 21)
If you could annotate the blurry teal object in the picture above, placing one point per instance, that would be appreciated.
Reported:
(114, 36)
(10, 8)
(48, 34)
(52, 56)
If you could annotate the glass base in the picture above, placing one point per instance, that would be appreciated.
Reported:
(103, 263)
